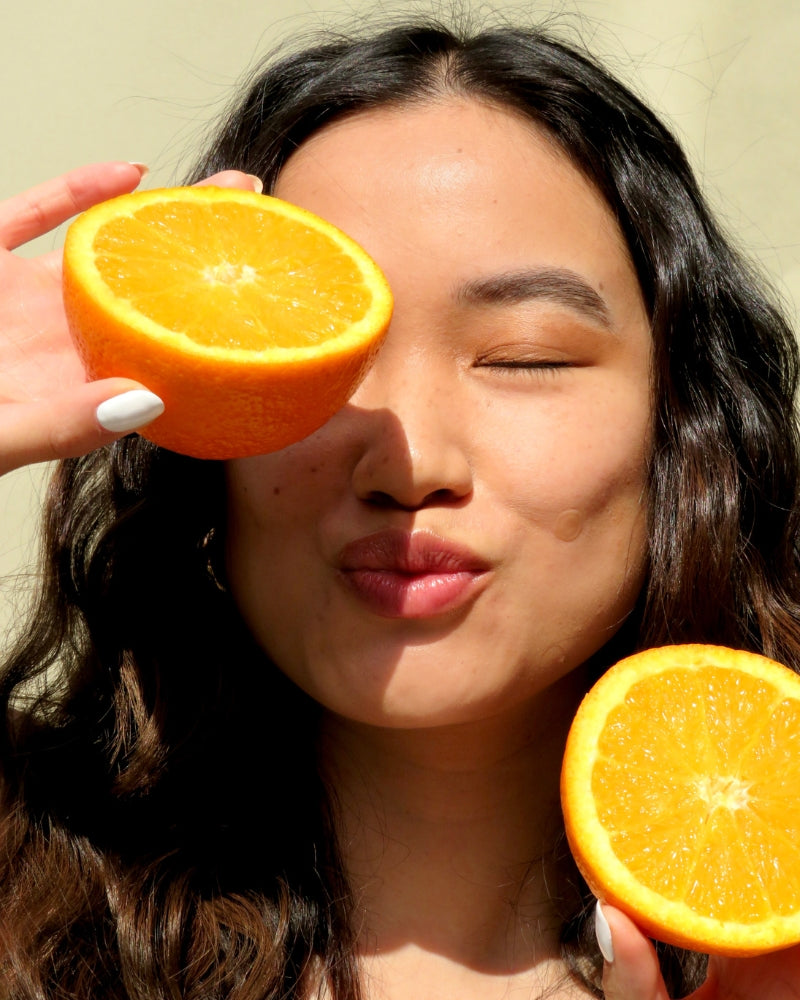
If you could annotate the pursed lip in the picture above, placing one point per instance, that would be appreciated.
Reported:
(402, 574)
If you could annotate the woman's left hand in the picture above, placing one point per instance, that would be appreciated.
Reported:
(634, 973)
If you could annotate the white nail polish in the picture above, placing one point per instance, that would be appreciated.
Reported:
(603, 932)
(129, 410)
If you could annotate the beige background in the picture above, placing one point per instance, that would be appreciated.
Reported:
(99, 79)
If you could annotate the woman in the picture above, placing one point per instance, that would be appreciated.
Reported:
(305, 735)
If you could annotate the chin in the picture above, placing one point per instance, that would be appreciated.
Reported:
(423, 694)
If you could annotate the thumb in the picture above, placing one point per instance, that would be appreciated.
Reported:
(73, 422)
(631, 970)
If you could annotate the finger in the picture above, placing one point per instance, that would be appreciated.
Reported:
(234, 179)
(40, 209)
(633, 972)
(226, 178)
(73, 423)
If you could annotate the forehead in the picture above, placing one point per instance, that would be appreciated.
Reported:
(458, 184)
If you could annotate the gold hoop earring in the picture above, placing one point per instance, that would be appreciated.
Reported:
(213, 559)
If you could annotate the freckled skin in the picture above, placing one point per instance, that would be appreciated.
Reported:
(544, 445)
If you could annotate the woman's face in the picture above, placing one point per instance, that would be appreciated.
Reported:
(471, 527)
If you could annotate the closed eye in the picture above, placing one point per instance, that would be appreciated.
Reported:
(527, 367)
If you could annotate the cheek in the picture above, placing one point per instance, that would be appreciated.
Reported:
(270, 521)
(267, 493)
(272, 506)
(568, 473)
(578, 487)
(599, 526)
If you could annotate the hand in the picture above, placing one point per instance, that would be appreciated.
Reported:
(634, 972)
(47, 409)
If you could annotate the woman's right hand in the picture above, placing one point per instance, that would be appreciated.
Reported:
(47, 408)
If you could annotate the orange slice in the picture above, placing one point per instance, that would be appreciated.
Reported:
(253, 319)
(681, 797)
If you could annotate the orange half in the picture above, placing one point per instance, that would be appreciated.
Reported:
(681, 797)
(253, 319)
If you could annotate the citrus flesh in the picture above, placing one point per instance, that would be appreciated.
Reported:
(253, 319)
(681, 796)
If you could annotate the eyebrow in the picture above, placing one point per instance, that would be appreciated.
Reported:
(555, 284)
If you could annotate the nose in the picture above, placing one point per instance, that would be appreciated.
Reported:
(413, 450)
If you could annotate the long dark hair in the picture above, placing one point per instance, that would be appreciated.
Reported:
(165, 831)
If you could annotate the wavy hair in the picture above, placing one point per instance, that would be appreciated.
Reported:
(165, 832)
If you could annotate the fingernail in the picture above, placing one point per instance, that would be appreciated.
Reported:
(129, 410)
(143, 169)
(603, 933)
(258, 184)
